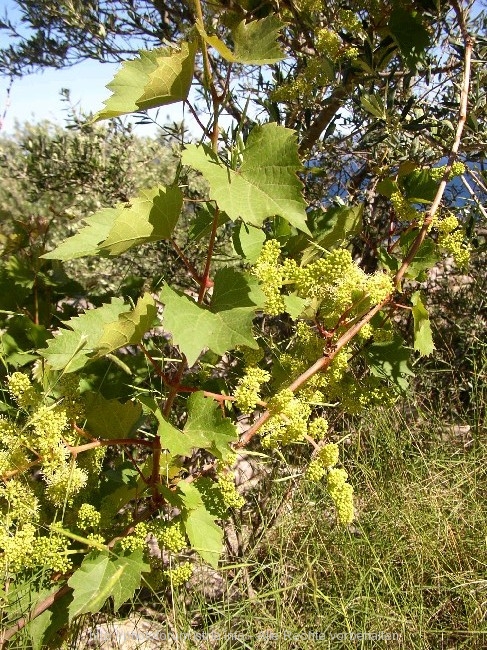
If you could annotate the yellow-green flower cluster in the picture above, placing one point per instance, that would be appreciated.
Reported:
(355, 397)
(169, 535)
(179, 574)
(288, 423)
(269, 272)
(318, 428)
(51, 552)
(404, 210)
(325, 458)
(16, 547)
(226, 485)
(349, 21)
(328, 42)
(88, 517)
(246, 393)
(19, 502)
(342, 494)
(64, 483)
(454, 245)
(379, 286)
(437, 173)
(451, 239)
(21, 549)
(22, 390)
(137, 539)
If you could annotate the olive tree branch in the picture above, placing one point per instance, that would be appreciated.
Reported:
(324, 362)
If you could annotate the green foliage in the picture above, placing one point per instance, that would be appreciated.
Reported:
(423, 338)
(151, 216)
(255, 42)
(225, 325)
(279, 298)
(100, 577)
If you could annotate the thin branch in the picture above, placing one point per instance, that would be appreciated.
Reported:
(462, 117)
(324, 117)
(193, 272)
(320, 365)
(37, 611)
(205, 282)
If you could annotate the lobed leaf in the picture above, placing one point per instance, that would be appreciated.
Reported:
(156, 78)
(255, 42)
(151, 216)
(100, 577)
(265, 185)
(226, 324)
(205, 536)
(98, 332)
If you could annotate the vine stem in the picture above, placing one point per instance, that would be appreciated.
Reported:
(324, 362)
(321, 364)
(205, 280)
(37, 611)
(107, 443)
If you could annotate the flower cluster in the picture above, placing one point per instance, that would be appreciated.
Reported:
(179, 574)
(170, 536)
(326, 457)
(247, 392)
(88, 517)
(403, 209)
(342, 494)
(226, 486)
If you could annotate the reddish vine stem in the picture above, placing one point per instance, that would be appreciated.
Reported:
(320, 365)
(193, 272)
(205, 282)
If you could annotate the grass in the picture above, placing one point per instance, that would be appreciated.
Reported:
(413, 565)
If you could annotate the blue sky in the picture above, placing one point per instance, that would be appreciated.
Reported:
(37, 97)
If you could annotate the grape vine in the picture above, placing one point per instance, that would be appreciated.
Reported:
(294, 331)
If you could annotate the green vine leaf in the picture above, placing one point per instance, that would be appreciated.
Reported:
(155, 78)
(129, 328)
(390, 360)
(151, 216)
(205, 420)
(226, 324)
(98, 332)
(423, 337)
(109, 418)
(205, 536)
(85, 241)
(100, 577)
(71, 348)
(248, 241)
(255, 42)
(264, 186)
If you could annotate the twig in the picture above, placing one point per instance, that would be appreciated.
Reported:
(462, 117)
